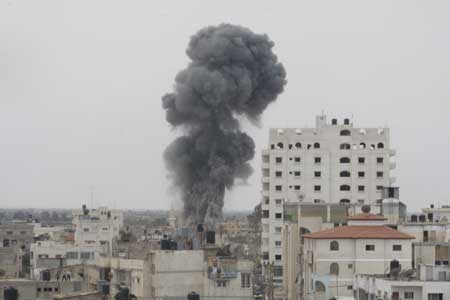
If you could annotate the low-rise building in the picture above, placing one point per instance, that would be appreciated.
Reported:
(365, 246)
(424, 283)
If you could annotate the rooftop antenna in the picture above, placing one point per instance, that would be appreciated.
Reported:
(91, 188)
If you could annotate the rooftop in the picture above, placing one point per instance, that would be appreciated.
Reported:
(359, 232)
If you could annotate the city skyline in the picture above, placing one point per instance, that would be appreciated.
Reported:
(81, 98)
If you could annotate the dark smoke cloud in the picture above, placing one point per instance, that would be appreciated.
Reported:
(233, 71)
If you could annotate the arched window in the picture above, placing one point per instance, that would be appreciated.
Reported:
(345, 174)
(334, 246)
(380, 146)
(372, 147)
(362, 145)
(344, 160)
(334, 269)
(345, 132)
(344, 201)
(345, 146)
(320, 287)
(316, 145)
(298, 145)
(280, 145)
(345, 187)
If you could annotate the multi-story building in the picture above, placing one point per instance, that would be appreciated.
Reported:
(330, 163)
(97, 226)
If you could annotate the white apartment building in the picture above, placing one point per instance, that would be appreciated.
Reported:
(426, 283)
(95, 230)
(366, 246)
(330, 163)
(97, 226)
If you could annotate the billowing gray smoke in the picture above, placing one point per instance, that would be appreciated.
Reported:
(233, 72)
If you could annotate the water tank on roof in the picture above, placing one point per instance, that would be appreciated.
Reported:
(193, 296)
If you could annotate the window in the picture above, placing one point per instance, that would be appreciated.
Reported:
(72, 255)
(380, 160)
(396, 247)
(278, 174)
(317, 201)
(23, 232)
(317, 174)
(317, 160)
(435, 296)
(265, 214)
(360, 188)
(344, 201)
(221, 283)
(277, 243)
(334, 246)
(297, 187)
(277, 271)
(278, 188)
(349, 287)
(334, 269)
(9, 232)
(344, 174)
(298, 145)
(345, 187)
(39, 289)
(345, 146)
(370, 247)
(361, 160)
(245, 280)
(409, 295)
(265, 255)
(85, 255)
(350, 266)
(297, 159)
(379, 187)
(380, 145)
(278, 160)
(278, 216)
(345, 132)
(86, 229)
(278, 229)
(277, 256)
(344, 160)
(317, 188)
(316, 145)
(266, 201)
(278, 201)
(379, 174)
(361, 174)
(297, 173)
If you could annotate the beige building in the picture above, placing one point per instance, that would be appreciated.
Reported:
(365, 246)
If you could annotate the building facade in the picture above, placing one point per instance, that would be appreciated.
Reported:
(330, 163)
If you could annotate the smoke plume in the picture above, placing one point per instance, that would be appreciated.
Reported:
(232, 72)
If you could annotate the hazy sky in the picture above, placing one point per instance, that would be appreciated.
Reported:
(81, 82)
